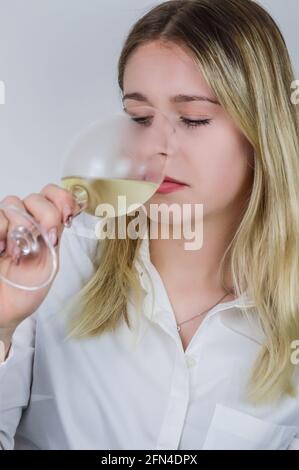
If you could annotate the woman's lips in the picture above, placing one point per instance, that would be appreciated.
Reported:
(169, 185)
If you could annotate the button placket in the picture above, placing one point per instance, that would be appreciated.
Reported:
(190, 361)
(174, 418)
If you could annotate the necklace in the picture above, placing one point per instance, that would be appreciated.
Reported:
(185, 321)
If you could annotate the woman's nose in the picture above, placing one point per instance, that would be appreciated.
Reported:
(166, 132)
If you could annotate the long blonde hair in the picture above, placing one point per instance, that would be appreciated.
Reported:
(244, 59)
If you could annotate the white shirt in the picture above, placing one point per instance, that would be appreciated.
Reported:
(135, 389)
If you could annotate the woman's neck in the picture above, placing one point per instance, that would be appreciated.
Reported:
(194, 269)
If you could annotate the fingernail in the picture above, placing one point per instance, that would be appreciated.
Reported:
(16, 255)
(67, 212)
(68, 221)
(2, 246)
(53, 236)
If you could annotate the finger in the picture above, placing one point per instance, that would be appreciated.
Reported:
(3, 231)
(46, 214)
(43, 210)
(12, 201)
(10, 219)
(62, 199)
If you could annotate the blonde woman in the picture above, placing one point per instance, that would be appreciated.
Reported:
(139, 343)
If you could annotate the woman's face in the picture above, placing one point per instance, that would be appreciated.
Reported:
(213, 158)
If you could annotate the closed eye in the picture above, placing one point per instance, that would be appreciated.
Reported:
(190, 123)
(195, 122)
(143, 121)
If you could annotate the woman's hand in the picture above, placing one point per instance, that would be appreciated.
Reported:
(51, 208)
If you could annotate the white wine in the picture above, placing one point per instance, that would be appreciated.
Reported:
(107, 191)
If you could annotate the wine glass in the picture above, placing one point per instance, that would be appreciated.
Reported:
(121, 156)
(28, 252)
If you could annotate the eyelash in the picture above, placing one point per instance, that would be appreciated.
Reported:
(190, 123)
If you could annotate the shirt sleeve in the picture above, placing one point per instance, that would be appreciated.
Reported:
(78, 255)
(15, 380)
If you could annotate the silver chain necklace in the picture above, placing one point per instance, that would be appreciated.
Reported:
(185, 321)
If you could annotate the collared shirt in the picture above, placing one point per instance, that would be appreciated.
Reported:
(135, 388)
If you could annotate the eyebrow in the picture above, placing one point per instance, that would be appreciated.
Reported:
(174, 99)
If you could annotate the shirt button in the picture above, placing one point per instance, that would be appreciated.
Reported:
(190, 361)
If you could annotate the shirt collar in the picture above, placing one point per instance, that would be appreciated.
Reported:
(158, 307)
(144, 264)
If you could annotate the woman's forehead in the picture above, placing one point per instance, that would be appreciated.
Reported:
(153, 71)
(158, 59)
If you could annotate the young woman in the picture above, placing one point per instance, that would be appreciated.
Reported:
(212, 366)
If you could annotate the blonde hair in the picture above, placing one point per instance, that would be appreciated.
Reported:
(244, 59)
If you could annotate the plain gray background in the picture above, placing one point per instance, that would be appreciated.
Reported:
(58, 60)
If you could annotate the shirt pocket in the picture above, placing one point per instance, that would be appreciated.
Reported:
(231, 429)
